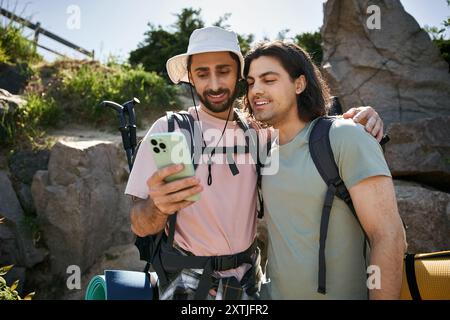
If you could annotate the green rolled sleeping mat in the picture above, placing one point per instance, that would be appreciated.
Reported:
(122, 285)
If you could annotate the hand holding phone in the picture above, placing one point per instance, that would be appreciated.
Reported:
(171, 148)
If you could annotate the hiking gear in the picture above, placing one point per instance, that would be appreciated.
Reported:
(322, 156)
(121, 285)
(159, 251)
(426, 276)
(209, 39)
(127, 125)
(182, 286)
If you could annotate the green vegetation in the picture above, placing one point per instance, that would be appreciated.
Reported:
(437, 36)
(70, 91)
(81, 87)
(10, 292)
(24, 126)
(14, 48)
(160, 44)
(311, 42)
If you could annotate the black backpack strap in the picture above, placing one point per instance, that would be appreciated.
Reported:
(319, 147)
(410, 270)
(323, 158)
(190, 129)
(172, 261)
(252, 141)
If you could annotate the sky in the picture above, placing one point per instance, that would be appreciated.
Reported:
(117, 27)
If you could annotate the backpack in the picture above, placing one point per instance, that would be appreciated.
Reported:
(158, 251)
(322, 156)
(425, 276)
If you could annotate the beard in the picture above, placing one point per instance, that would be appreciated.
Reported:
(218, 107)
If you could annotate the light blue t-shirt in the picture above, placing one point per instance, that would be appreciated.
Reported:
(294, 198)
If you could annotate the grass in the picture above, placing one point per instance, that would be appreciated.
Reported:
(70, 91)
(81, 89)
(25, 125)
(14, 48)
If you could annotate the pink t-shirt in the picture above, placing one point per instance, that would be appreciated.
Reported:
(223, 221)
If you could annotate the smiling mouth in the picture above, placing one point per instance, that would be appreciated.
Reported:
(260, 105)
(217, 98)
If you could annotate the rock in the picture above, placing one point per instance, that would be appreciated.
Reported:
(9, 102)
(80, 202)
(23, 165)
(124, 257)
(17, 244)
(13, 77)
(8, 105)
(396, 69)
(25, 198)
(427, 216)
(420, 150)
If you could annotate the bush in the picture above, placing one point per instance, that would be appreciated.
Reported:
(10, 292)
(28, 122)
(444, 48)
(15, 48)
(83, 88)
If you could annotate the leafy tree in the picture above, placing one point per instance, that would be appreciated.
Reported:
(159, 44)
(311, 42)
(437, 36)
(245, 42)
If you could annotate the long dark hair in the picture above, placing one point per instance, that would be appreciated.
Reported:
(314, 101)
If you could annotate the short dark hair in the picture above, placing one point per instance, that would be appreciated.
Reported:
(233, 56)
(314, 101)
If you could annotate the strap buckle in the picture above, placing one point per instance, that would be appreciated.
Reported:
(221, 263)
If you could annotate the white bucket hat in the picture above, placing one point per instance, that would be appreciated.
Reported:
(209, 39)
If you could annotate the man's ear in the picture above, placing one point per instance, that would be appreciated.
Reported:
(300, 84)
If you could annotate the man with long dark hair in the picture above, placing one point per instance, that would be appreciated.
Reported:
(286, 91)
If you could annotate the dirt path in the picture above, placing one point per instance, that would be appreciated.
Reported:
(77, 133)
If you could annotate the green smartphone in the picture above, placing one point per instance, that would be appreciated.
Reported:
(171, 148)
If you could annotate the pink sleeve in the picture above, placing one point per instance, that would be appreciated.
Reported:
(144, 165)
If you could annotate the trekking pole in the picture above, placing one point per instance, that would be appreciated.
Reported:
(128, 108)
(128, 141)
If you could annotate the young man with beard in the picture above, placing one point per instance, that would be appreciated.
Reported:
(286, 91)
(223, 222)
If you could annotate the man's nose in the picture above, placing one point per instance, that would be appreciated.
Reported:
(214, 83)
(256, 89)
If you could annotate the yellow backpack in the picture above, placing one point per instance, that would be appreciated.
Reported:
(426, 276)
